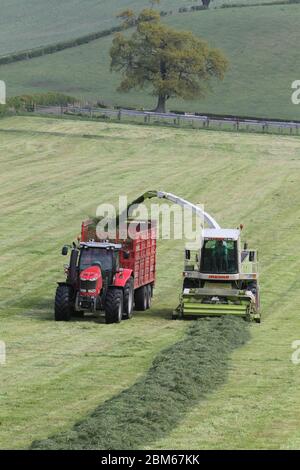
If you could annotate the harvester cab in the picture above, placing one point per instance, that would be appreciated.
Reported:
(221, 278)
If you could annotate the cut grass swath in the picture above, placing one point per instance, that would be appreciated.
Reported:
(179, 377)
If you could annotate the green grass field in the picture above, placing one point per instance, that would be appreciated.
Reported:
(52, 177)
(41, 22)
(37, 23)
(260, 43)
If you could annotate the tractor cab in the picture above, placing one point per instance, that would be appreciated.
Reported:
(91, 271)
(98, 263)
(105, 255)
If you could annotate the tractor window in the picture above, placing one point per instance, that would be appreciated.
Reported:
(219, 256)
(90, 256)
(116, 260)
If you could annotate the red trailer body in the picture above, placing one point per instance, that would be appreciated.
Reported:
(138, 254)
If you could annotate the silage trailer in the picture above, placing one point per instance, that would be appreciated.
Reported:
(109, 276)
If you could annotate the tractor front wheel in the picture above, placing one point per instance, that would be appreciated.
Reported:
(114, 306)
(63, 303)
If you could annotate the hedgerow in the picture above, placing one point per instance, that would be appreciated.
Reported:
(27, 102)
(60, 46)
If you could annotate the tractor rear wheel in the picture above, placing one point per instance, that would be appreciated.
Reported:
(114, 306)
(128, 299)
(141, 298)
(64, 307)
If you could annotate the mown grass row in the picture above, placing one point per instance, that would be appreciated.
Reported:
(180, 376)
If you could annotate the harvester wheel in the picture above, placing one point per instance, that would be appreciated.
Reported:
(114, 306)
(63, 305)
(128, 299)
(140, 298)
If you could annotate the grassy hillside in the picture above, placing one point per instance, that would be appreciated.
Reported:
(259, 42)
(35, 23)
(52, 176)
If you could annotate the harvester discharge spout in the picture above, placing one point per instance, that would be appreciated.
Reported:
(176, 200)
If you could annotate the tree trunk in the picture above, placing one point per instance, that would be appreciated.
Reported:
(161, 104)
(206, 3)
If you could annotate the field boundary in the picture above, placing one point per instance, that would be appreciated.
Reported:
(57, 47)
(236, 123)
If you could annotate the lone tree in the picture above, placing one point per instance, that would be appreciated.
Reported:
(171, 63)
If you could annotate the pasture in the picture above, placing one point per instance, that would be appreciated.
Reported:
(54, 173)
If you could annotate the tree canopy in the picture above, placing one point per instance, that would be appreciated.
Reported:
(169, 62)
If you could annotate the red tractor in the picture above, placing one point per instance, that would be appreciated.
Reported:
(110, 276)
